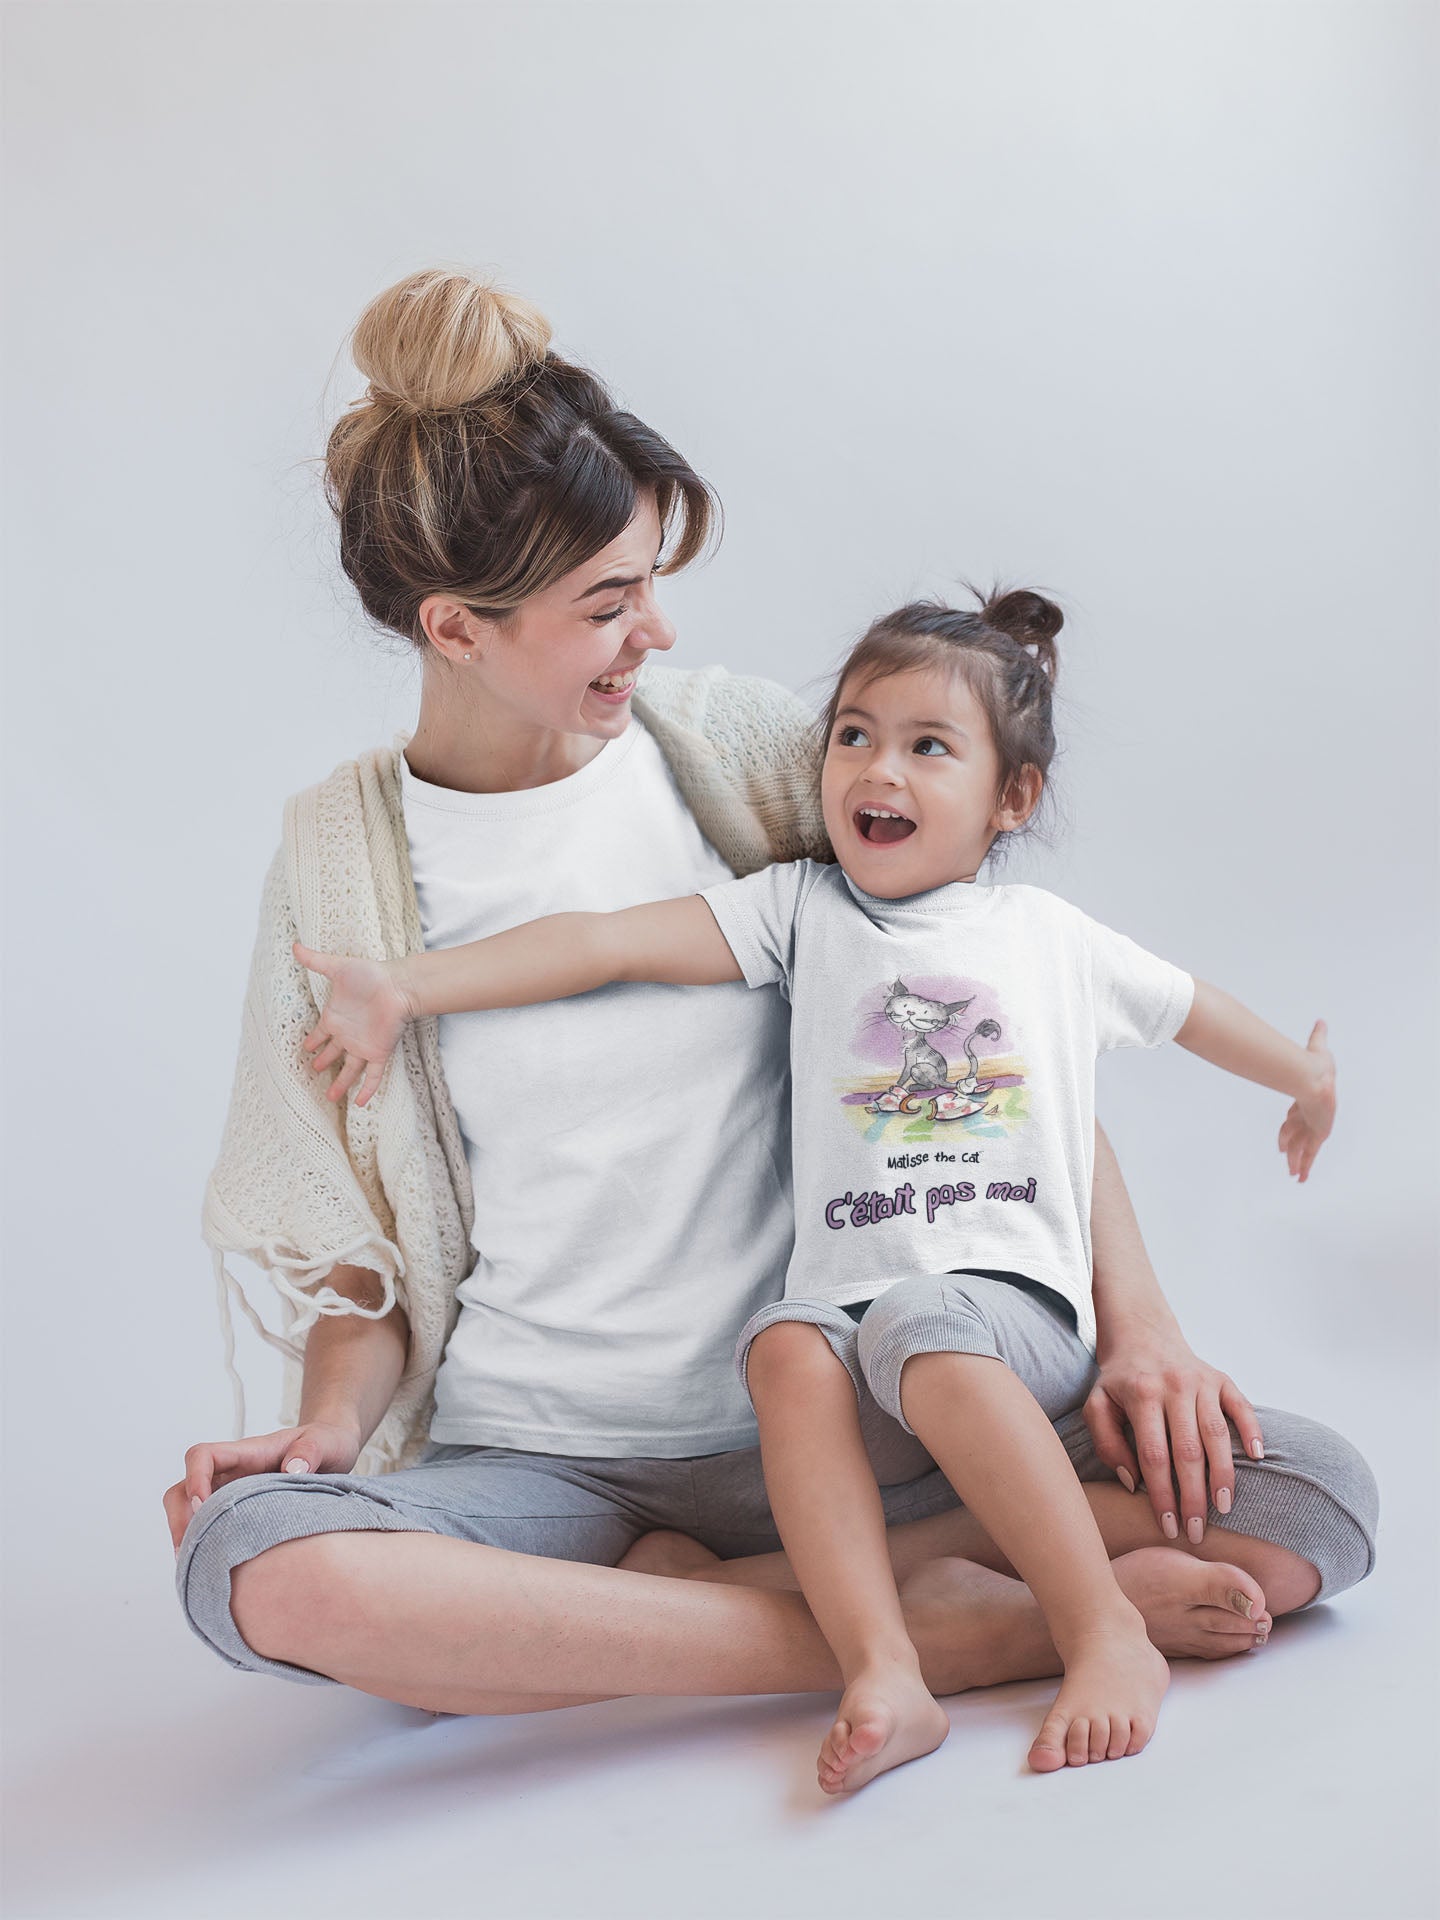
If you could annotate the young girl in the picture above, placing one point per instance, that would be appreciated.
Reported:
(943, 1042)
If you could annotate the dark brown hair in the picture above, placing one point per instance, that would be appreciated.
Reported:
(482, 465)
(1004, 651)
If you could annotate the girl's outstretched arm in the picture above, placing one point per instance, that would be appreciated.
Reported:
(1227, 1034)
(676, 941)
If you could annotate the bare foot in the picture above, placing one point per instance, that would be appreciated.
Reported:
(886, 1717)
(672, 1554)
(1109, 1699)
(1194, 1609)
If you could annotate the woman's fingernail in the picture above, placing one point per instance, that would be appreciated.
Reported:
(1257, 1449)
(297, 1466)
(196, 1503)
(1122, 1474)
(1222, 1500)
(1168, 1526)
(1195, 1527)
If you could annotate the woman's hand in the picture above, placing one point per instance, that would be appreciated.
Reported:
(1175, 1406)
(1310, 1119)
(367, 1011)
(317, 1447)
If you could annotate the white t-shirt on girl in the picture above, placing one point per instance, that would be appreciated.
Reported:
(630, 1147)
(991, 1005)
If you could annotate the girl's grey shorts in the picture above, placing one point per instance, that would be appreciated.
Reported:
(1312, 1493)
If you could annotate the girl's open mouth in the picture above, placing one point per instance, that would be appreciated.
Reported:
(882, 826)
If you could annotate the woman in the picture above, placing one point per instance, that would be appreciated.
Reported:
(517, 1273)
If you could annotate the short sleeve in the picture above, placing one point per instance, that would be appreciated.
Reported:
(1140, 1000)
(758, 916)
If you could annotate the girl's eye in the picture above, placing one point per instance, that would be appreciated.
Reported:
(929, 740)
(851, 737)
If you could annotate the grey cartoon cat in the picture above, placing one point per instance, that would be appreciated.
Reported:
(926, 1071)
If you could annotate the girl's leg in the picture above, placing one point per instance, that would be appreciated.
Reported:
(977, 1366)
(1001, 1455)
(828, 1513)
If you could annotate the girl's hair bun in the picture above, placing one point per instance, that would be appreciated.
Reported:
(442, 339)
(1027, 617)
(1030, 620)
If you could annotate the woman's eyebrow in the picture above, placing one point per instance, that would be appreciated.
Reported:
(613, 585)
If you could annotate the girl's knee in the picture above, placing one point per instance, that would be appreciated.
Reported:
(787, 1349)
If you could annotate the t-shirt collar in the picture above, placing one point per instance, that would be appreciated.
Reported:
(956, 896)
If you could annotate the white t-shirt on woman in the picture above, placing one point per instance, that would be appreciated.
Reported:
(630, 1147)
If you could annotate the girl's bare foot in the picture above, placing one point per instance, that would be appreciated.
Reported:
(1194, 1609)
(1109, 1699)
(887, 1716)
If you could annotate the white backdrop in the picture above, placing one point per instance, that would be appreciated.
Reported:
(1128, 301)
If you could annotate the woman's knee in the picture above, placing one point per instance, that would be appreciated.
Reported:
(254, 1572)
(1313, 1495)
(292, 1598)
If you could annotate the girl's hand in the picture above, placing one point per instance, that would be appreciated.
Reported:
(318, 1447)
(1308, 1123)
(367, 1011)
(1175, 1407)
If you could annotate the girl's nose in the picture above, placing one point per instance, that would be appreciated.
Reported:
(885, 768)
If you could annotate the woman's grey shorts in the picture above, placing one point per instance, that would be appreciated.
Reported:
(1312, 1493)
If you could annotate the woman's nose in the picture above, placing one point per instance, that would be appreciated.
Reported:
(655, 629)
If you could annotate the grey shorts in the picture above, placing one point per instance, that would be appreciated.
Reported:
(1002, 1315)
(1313, 1492)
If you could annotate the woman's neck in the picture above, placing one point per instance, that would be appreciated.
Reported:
(473, 748)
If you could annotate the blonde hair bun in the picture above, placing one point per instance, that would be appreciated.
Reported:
(443, 338)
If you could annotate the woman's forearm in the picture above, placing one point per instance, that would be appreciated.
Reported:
(353, 1365)
(1127, 1294)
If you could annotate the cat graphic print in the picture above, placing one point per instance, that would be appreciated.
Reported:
(987, 1090)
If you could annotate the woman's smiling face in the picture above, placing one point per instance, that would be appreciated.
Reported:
(537, 671)
(909, 785)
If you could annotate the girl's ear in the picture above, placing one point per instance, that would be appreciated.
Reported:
(1018, 800)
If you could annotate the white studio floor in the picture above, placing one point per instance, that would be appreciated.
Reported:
(148, 1780)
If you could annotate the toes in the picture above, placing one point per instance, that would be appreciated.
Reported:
(1140, 1732)
(1237, 1591)
(835, 1748)
(1077, 1743)
(1099, 1739)
(1119, 1737)
(1048, 1751)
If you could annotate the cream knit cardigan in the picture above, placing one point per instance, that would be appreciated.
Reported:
(302, 1184)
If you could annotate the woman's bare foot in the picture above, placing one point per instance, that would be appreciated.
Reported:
(675, 1555)
(1194, 1609)
(1109, 1699)
(887, 1716)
